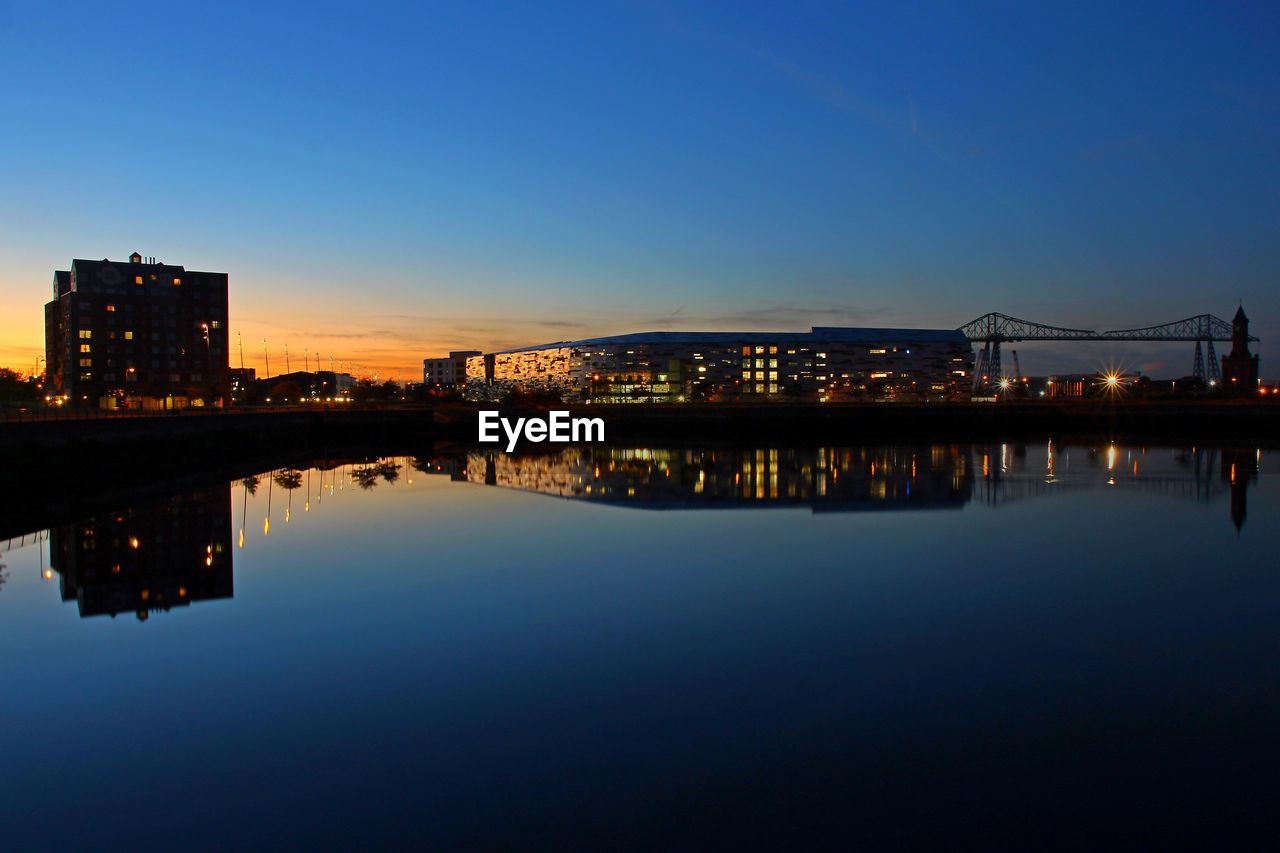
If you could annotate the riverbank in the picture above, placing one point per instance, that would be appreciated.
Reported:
(234, 433)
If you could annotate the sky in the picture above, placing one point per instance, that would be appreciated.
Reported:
(386, 182)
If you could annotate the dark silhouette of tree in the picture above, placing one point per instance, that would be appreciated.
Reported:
(16, 388)
(251, 484)
(366, 476)
(289, 478)
(388, 470)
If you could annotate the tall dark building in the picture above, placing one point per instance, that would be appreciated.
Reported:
(137, 334)
(1239, 367)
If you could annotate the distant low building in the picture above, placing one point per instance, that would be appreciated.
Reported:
(241, 380)
(318, 386)
(824, 364)
(447, 372)
(136, 334)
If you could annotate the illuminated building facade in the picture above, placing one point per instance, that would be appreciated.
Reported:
(147, 558)
(136, 334)
(826, 363)
(447, 372)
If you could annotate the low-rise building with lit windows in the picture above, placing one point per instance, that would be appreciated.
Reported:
(447, 372)
(825, 364)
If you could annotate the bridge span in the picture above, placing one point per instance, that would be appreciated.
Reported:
(994, 328)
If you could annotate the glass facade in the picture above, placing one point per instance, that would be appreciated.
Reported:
(824, 364)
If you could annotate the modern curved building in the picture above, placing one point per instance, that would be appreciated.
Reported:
(826, 363)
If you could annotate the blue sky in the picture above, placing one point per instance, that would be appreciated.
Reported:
(387, 181)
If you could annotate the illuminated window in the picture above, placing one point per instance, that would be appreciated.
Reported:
(215, 324)
(746, 350)
(773, 388)
(880, 351)
(822, 355)
(773, 376)
(85, 333)
(86, 362)
(759, 362)
(759, 350)
(137, 279)
(128, 336)
(86, 376)
(759, 388)
(176, 281)
(85, 348)
(773, 362)
(111, 308)
(746, 374)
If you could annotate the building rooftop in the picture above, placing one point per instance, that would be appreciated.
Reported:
(818, 334)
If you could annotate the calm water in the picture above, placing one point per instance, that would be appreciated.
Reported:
(768, 647)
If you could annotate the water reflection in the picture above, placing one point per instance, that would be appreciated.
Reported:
(153, 555)
(859, 478)
(464, 665)
(146, 558)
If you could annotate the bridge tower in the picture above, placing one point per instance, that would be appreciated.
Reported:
(1215, 373)
(1197, 369)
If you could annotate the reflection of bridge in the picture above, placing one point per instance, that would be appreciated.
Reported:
(863, 479)
(994, 328)
(1208, 475)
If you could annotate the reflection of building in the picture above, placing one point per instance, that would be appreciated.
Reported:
(822, 364)
(858, 478)
(1239, 469)
(147, 558)
(1069, 385)
(1239, 367)
(138, 334)
(825, 478)
(446, 372)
